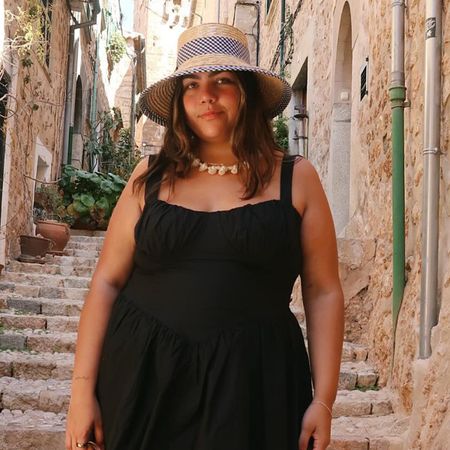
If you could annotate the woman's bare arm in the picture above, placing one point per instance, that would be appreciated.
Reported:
(321, 289)
(112, 271)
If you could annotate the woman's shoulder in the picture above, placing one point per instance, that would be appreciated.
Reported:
(306, 184)
(303, 168)
(140, 167)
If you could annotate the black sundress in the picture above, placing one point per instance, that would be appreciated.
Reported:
(202, 351)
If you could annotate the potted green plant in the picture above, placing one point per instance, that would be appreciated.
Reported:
(51, 217)
(90, 197)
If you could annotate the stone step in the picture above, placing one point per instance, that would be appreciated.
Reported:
(50, 269)
(53, 395)
(72, 261)
(80, 245)
(86, 234)
(86, 239)
(10, 287)
(38, 340)
(40, 430)
(36, 366)
(81, 253)
(9, 320)
(31, 430)
(354, 352)
(357, 375)
(41, 305)
(368, 433)
(363, 403)
(36, 279)
(45, 395)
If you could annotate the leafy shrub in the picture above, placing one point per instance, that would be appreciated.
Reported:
(49, 204)
(90, 197)
(122, 156)
(281, 132)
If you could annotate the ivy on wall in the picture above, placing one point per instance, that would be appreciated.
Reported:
(29, 37)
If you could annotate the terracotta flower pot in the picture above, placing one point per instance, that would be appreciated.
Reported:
(58, 232)
(34, 245)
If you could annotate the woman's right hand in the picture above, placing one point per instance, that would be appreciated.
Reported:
(84, 422)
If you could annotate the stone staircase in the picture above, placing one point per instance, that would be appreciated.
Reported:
(39, 309)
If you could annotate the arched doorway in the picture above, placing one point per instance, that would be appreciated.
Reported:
(340, 141)
(76, 154)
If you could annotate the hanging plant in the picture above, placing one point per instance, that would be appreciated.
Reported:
(116, 47)
(28, 38)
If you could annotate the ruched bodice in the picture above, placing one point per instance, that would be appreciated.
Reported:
(210, 355)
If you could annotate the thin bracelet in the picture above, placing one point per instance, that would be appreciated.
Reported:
(320, 402)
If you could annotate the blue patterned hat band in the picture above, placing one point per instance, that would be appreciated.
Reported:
(210, 45)
(213, 47)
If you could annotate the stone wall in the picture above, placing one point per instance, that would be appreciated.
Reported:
(35, 126)
(161, 32)
(36, 107)
(162, 29)
(422, 387)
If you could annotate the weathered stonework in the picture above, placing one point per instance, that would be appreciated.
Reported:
(367, 273)
(422, 387)
(161, 28)
(36, 145)
(34, 120)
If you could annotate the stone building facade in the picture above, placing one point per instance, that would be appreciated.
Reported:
(33, 107)
(161, 22)
(51, 100)
(337, 57)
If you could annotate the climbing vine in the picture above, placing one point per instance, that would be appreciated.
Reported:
(112, 146)
(28, 38)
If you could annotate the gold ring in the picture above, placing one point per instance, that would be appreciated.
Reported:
(79, 445)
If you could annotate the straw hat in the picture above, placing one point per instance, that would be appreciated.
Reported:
(213, 47)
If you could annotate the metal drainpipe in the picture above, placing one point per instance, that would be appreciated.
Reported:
(397, 92)
(283, 20)
(258, 31)
(93, 112)
(431, 165)
(133, 99)
(69, 78)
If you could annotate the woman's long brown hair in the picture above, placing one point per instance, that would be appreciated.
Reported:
(253, 142)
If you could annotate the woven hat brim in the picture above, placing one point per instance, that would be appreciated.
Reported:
(155, 101)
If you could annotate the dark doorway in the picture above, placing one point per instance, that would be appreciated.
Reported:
(78, 115)
(4, 84)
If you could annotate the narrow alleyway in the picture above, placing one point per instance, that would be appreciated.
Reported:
(40, 305)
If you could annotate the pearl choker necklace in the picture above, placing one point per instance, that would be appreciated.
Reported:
(213, 169)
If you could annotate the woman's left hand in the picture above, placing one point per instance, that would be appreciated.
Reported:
(316, 426)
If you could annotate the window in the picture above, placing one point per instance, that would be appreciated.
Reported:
(363, 80)
(46, 28)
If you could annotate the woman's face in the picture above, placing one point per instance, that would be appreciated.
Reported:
(211, 103)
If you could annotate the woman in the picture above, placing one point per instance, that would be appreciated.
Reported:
(186, 340)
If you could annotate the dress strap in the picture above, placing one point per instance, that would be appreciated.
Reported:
(287, 166)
